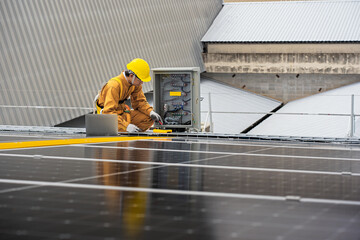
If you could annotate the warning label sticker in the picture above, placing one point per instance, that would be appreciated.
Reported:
(175, 94)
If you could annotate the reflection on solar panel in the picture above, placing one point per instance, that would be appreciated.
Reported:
(181, 188)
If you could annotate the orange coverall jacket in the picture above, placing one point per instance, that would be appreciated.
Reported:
(112, 99)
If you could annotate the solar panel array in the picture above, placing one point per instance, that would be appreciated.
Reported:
(180, 188)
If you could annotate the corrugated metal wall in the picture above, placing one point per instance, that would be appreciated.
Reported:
(58, 53)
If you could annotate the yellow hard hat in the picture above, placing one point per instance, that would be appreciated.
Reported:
(141, 69)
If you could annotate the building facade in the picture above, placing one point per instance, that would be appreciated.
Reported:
(285, 50)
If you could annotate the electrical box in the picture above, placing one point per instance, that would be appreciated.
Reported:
(177, 98)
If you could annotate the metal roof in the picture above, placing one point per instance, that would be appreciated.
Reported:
(310, 21)
(321, 115)
(228, 102)
(59, 53)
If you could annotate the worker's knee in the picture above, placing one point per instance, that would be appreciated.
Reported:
(141, 120)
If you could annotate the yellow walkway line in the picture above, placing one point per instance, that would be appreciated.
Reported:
(46, 143)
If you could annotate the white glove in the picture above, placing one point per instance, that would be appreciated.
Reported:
(132, 128)
(155, 116)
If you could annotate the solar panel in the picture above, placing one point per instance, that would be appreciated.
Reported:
(181, 188)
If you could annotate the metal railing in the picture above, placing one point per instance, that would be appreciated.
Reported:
(209, 114)
(351, 115)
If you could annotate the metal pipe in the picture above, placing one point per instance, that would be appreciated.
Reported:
(277, 113)
(352, 117)
(206, 119)
(47, 107)
(210, 112)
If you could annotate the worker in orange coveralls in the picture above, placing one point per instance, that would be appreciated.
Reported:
(112, 97)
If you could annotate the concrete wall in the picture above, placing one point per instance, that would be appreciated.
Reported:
(334, 63)
(282, 58)
(285, 87)
(283, 71)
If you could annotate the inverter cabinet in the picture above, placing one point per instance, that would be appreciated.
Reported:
(177, 98)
